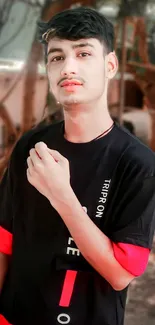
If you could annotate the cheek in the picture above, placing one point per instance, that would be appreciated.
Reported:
(97, 79)
(96, 74)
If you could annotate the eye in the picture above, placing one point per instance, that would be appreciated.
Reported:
(84, 54)
(57, 58)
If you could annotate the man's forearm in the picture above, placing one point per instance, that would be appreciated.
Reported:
(93, 244)
(4, 260)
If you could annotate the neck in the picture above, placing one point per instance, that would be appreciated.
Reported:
(85, 123)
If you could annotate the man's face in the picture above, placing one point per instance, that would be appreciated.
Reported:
(76, 70)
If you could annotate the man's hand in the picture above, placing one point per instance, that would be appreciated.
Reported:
(48, 172)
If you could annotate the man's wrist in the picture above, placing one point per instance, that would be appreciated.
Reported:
(65, 201)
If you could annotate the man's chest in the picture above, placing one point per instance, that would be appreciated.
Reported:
(40, 223)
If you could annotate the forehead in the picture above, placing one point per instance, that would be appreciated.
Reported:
(64, 44)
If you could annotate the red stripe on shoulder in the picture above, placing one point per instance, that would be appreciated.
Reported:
(132, 258)
(5, 241)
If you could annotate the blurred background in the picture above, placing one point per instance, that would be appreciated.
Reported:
(25, 99)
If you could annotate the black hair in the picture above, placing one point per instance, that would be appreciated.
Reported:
(75, 24)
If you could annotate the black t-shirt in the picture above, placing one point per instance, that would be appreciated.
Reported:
(114, 179)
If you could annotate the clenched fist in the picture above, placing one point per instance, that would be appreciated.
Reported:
(48, 171)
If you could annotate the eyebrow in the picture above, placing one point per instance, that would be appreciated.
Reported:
(75, 46)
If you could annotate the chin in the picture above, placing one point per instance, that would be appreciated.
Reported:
(71, 101)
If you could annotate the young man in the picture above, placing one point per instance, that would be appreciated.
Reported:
(78, 198)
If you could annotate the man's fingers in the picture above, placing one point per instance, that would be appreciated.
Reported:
(34, 157)
(35, 160)
(56, 155)
(46, 153)
(30, 165)
(42, 151)
(28, 175)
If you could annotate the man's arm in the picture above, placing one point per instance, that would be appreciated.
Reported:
(96, 247)
(48, 172)
(4, 261)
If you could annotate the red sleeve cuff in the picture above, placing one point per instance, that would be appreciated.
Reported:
(5, 241)
(132, 258)
(3, 321)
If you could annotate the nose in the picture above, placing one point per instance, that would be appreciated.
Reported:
(69, 67)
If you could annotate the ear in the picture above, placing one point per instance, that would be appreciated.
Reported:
(112, 65)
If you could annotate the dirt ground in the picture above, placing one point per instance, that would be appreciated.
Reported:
(140, 308)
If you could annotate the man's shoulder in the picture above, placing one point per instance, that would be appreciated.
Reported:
(36, 134)
(136, 153)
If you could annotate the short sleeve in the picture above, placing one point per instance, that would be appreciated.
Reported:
(134, 221)
(9, 185)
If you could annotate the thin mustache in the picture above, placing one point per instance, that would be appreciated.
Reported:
(65, 78)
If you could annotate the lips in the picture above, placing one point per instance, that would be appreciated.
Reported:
(72, 82)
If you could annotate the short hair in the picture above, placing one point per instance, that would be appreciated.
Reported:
(75, 24)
